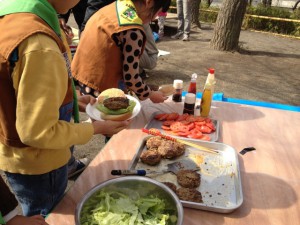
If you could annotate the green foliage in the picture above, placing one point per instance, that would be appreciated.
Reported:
(264, 24)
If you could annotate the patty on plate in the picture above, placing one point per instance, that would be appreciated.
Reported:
(189, 194)
(188, 178)
(171, 186)
(170, 149)
(154, 142)
(150, 157)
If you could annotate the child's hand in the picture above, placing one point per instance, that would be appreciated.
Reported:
(157, 97)
(83, 100)
(109, 127)
(22, 220)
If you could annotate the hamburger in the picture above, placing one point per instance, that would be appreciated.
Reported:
(114, 105)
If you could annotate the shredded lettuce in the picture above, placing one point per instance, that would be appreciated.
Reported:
(113, 207)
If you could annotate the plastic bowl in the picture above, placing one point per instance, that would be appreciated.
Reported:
(136, 186)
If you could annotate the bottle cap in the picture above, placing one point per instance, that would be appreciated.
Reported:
(194, 76)
(177, 84)
(211, 70)
(190, 98)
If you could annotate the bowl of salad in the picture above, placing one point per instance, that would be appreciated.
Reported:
(130, 200)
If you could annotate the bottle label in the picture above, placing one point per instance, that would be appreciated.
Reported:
(189, 108)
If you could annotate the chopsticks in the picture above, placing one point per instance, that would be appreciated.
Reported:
(157, 133)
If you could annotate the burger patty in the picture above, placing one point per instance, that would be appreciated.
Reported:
(171, 149)
(154, 142)
(188, 178)
(189, 194)
(171, 186)
(150, 157)
(116, 103)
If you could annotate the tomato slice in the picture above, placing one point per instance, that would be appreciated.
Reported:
(158, 116)
(182, 117)
(165, 127)
(199, 118)
(205, 129)
(178, 126)
(211, 126)
(183, 133)
(172, 116)
(200, 123)
(196, 134)
(168, 122)
(205, 137)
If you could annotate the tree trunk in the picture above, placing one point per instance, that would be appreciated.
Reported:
(267, 3)
(228, 25)
(208, 3)
(195, 10)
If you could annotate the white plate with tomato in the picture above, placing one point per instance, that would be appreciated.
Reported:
(185, 126)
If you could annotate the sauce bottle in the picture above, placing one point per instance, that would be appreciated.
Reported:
(207, 93)
(177, 96)
(189, 103)
(192, 88)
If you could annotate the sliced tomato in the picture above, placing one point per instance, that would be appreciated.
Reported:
(199, 118)
(164, 117)
(178, 126)
(172, 116)
(196, 134)
(168, 122)
(190, 119)
(191, 126)
(182, 117)
(207, 120)
(200, 123)
(211, 126)
(158, 116)
(205, 137)
(183, 133)
(205, 129)
(165, 127)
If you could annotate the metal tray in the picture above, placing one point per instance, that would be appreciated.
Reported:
(220, 185)
(153, 123)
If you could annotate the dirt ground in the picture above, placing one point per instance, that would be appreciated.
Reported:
(266, 69)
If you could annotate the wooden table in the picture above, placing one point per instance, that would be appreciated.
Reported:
(270, 175)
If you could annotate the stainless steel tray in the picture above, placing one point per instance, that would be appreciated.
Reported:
(153, 123)
(220, 186)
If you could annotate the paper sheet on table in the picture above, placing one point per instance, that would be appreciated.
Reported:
(161, 52)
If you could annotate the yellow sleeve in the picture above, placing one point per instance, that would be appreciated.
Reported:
(40, 79)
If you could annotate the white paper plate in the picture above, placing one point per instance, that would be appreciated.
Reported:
(94, 113)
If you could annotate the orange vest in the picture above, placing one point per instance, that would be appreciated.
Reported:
(15, 29)
(98, 60)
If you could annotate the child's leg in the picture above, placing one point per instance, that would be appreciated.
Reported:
(161, 25)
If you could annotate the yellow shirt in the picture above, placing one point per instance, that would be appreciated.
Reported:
(40, 83)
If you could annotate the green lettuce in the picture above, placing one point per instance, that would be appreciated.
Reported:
(113, 207)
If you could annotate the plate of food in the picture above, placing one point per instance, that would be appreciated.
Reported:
(114, 104)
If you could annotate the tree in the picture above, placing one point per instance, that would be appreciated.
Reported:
(267, 3)
(195, 10)
(228, 25)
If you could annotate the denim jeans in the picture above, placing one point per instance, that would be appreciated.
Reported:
(38, 194)
(184, 16)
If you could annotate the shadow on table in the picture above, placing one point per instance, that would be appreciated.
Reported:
(257, 195)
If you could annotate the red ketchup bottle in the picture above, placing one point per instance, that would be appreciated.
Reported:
(193, 88)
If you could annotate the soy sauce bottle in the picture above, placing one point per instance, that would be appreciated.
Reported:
(192, 87)
(189, 103)
(177, 95)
